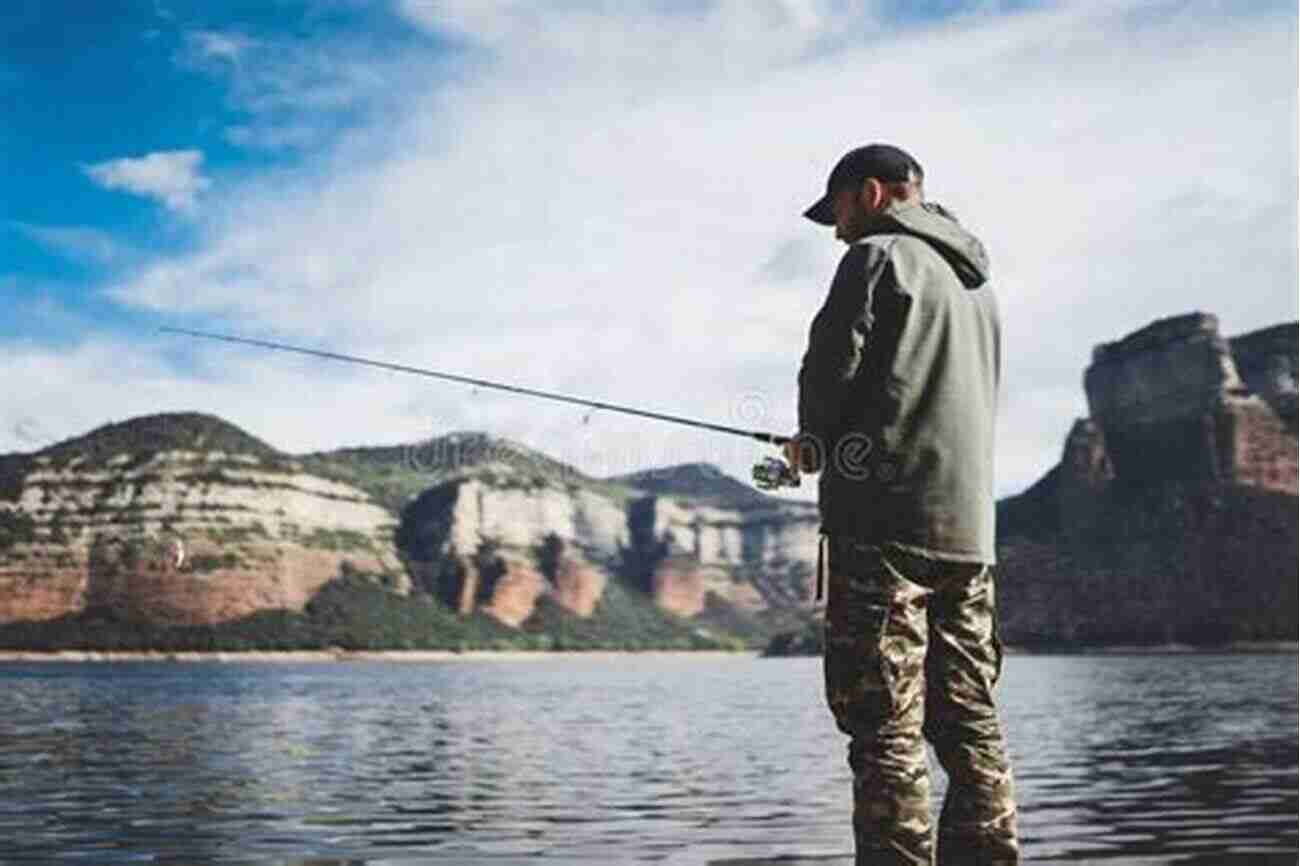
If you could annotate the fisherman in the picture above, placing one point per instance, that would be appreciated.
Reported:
(897, 399)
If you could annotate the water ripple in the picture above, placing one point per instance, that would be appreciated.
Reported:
(1119, 760)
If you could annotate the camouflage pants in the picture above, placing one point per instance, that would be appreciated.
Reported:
(912, 654)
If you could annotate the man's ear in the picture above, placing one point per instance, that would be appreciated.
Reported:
(874, 195)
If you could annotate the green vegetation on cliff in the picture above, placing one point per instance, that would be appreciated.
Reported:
(701, 483)
(355, 613)
(149, 434)
(15, 528)
(394, 475)
(623, 620)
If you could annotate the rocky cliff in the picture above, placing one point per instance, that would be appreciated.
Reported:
(1266, 362)
(181, 519)
(185, 520)
(1172, 515)
(1170, 404)
(506, 535)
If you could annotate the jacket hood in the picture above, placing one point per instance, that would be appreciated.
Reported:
(932, 223)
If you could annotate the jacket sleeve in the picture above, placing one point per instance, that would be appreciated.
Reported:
(837, 341)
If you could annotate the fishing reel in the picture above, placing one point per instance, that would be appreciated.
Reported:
(772, 473)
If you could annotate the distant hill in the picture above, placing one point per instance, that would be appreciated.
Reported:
(180, 519)
(701, 482)
(150, 434)
(396, 474)
(181, 530)
(453, 453)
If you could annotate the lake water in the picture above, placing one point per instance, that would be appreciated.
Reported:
(606, 760)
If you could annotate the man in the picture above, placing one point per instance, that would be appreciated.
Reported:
(897, 398)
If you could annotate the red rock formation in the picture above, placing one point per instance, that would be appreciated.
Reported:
(578, 583)
(93, 522)
(1255, 447)
(1172, 515)
(1173, 407)
(677, 586)
(39, 594)
(149, 587)
(506, 583)
(514, 590)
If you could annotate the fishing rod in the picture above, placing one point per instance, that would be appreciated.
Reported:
(768, 474)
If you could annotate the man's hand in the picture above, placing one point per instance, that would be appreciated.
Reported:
(791, 450)
(803, 454)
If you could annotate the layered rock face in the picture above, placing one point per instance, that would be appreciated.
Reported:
(499, 544)
(1266, 361)
(1173, 513)
(180, 535)
(185, 519)
(1171, 405)
(752, 558)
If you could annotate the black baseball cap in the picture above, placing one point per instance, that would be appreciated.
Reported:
(882, 161)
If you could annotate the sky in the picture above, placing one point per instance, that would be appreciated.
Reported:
(603, 199)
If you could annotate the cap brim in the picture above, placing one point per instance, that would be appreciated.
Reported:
(821, 212)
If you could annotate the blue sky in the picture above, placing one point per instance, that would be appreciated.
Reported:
(603, 198)
(87, 83)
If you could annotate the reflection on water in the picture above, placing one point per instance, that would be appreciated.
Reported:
(1139, 759)
(1176, 758)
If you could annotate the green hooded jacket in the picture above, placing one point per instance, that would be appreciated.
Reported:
(898, 388)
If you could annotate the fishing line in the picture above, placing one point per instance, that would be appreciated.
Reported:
(770, 438)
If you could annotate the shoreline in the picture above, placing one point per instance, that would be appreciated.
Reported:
(341, 655)
(1246, 647)
(424, 656)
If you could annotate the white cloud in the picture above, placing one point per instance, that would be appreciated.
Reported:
(116, 377)
(608, 205)
(78, 242)
(218, 46)
(168, 176)
(294, 93)
(273, 136)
